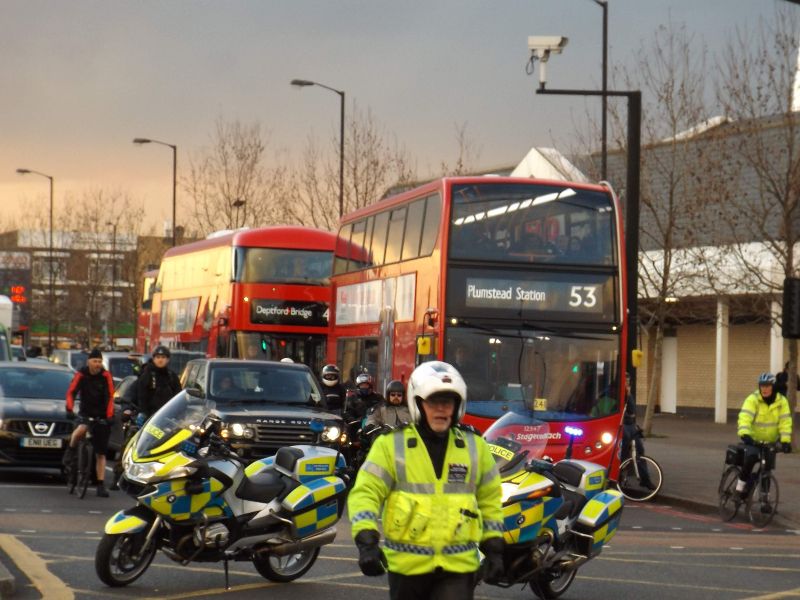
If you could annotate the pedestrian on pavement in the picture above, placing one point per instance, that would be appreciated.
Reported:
(156, 384)
(632, 434)
(93, 385)
(335, 392)
(782, 381)
(765, 417)
(435, 512)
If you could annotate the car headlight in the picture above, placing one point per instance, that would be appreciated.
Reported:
(143, 472)
(239, 430)
(331, 433)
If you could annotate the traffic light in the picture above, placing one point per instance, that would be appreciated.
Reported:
(790, 318)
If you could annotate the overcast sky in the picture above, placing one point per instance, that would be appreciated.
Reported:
(80, 79)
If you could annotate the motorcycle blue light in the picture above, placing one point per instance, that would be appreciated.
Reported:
(574, 431)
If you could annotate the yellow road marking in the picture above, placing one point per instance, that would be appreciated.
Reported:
(777, 595)
(35, 569)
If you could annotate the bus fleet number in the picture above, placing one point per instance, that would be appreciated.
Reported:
(583, 295)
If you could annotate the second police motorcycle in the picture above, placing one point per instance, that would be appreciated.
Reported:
(556, 516)
(198, 502)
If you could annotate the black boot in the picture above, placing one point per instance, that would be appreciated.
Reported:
(102, 492)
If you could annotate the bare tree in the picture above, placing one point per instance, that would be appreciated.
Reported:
(761, 146)
(373, 161)
(229, 185)
(467, 157)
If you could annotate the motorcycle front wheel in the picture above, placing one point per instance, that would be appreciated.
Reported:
(550, 586)
(119, 559)
(286, 568)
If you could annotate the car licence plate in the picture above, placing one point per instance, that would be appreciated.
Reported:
(32, 442)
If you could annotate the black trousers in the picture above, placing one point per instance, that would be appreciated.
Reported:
(439, 585)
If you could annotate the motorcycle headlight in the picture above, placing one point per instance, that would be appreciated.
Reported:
(508, 490)
(143, 472)
(331, 433)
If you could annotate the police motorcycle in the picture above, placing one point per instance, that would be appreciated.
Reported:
(198, 502)
(556, 516)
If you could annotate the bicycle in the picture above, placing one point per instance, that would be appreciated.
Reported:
(761, 492)
(629, 481)
(85, 457)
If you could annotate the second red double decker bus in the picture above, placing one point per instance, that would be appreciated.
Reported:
(519, 283)
(255, 293)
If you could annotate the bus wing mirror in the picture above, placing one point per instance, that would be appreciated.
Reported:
(424, 346)
(636, 358)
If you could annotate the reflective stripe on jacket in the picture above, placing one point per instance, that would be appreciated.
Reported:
(428, 522)
(765, 422)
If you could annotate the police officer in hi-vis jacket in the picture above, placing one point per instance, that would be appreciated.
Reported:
(437, 489)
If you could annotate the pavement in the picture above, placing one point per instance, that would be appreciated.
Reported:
(691, 452)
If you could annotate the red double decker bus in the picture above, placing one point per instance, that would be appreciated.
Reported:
(258, 293)
(519, 283)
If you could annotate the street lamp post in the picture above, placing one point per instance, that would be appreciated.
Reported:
(51, 308)
(632, 187)
(237, 204)
(604, 133)
(113, 281)
(306, 83)
(174, 179)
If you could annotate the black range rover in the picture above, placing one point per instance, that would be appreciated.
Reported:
(263, 405)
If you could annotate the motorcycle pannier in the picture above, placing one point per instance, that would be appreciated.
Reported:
(597, 523)
(315, 505)
(734, 455)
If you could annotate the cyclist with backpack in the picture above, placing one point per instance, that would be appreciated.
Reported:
(765, 417)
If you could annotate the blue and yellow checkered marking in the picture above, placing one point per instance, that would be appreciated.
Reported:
(124, 523)
(603, 535)
(171, 500)
(316, 519)
(600, 508)
(312, 492)
(523, 521)
(258, 466)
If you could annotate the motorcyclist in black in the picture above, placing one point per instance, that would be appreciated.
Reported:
(359, 403)
(156, 383)
(335, 392)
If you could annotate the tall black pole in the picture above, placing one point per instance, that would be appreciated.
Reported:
(604, 148)
(341, 154)
(174, 194)
(51, 308)
(631, 207)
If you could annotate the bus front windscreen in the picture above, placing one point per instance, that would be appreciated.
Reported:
(531, 223)
(278, 265)
(561, 377)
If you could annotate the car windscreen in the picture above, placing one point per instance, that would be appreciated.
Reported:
(121, 367)
(77, 360)
(263, 382)
(44, 384)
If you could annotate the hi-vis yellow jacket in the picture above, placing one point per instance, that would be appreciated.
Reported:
(428, 522)
(765, 422)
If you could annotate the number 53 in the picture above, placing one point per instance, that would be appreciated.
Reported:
(583, 295)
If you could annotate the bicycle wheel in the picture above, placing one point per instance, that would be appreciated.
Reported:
(729, 498)
(631, 486)
(762, 503)
(84, 468)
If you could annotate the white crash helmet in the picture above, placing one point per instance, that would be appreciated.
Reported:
(436, 377)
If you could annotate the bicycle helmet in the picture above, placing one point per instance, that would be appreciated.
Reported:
(162, 350)
(436, 378)
(364, 384)
(395, 386)
(766, 379)
(330, 375)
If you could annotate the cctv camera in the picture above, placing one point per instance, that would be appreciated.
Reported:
(541, 46)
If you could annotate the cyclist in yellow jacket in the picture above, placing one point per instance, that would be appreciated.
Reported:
(438, 489)
(765, 417)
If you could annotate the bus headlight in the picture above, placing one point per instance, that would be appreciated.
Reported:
(606, 438)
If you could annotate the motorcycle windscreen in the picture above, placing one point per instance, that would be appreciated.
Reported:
(172, 424)
(516, 438)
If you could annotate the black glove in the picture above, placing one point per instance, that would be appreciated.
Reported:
(748, 440)
(371, 560)
(786, 447)
(492, 567)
